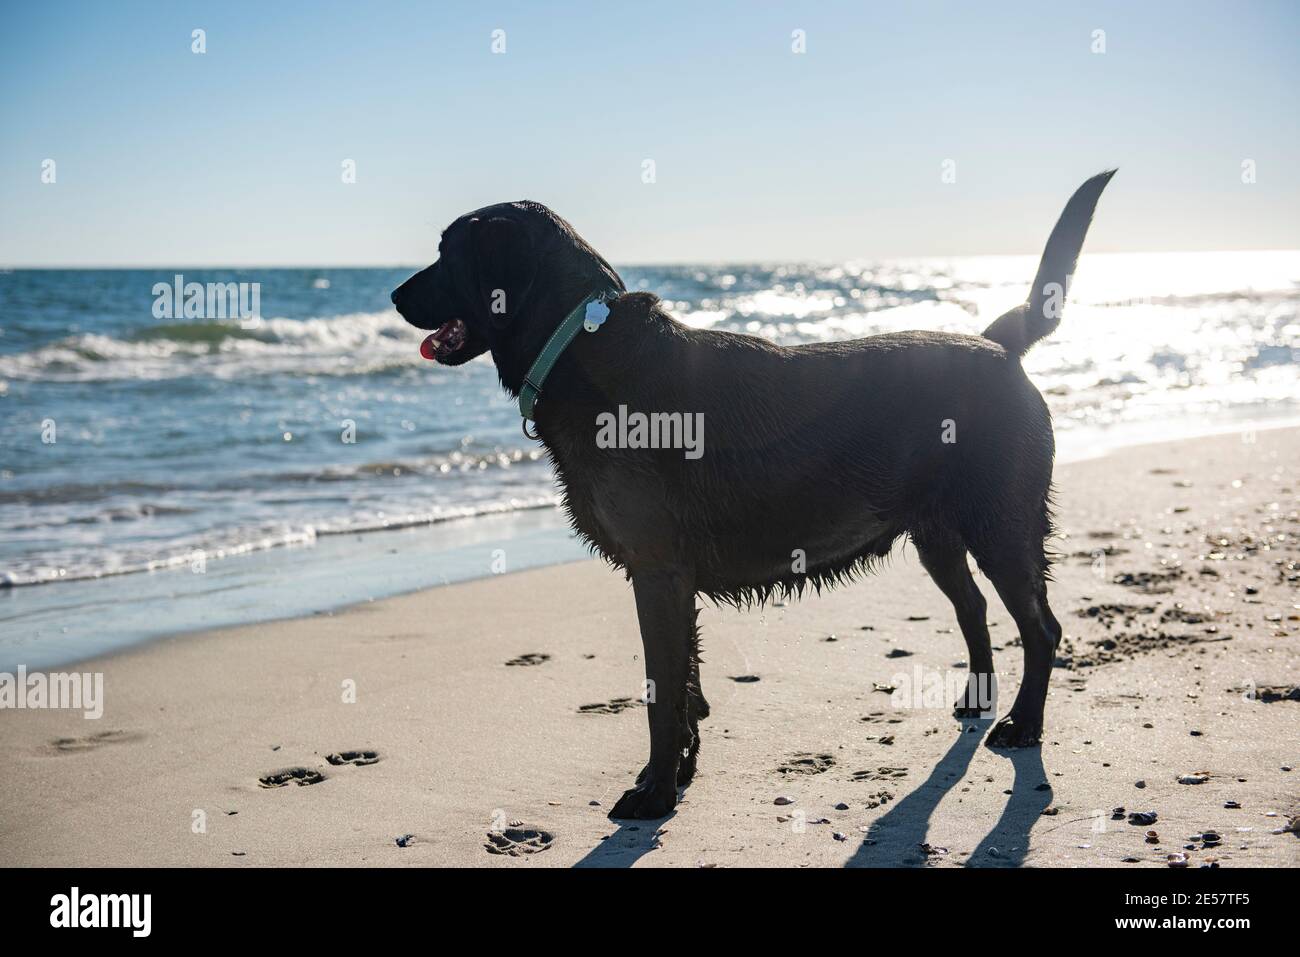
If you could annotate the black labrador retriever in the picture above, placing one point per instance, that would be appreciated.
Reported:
(814, 459)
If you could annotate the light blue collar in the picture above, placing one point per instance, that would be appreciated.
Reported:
(590, 314)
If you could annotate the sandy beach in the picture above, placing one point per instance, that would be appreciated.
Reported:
(514, 699)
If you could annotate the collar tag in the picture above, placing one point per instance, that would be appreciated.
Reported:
(596, 314)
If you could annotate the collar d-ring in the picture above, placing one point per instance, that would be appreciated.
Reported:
(534, 435)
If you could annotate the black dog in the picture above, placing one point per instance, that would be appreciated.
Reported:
(816, 459)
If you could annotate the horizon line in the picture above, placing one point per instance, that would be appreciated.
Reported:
(653, 263)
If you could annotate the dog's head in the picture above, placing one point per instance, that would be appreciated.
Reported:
(505, 277)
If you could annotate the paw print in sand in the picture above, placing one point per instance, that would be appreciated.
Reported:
(517, 841)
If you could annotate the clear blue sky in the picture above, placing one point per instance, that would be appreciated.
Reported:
(166, 157)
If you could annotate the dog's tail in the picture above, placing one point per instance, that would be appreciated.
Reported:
(1040, 314)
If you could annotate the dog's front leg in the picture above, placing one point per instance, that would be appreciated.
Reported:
(665, 599)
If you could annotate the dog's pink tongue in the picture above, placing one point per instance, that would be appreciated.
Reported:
(429, 347)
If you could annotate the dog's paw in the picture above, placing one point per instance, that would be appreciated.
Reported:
(1015, 732)
(963, 710)
(977, 700)
(649, 799)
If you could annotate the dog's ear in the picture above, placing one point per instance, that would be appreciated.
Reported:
(507, 266)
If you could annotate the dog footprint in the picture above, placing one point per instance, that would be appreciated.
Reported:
(806, 763)
(612, 706)
(1150, 583)
(879, 774)
(92, 741)
(299, 776)
(517, 841)
(532, 658)
(352, 757)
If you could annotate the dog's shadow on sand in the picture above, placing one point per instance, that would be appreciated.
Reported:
(898, 839)
(627, 845)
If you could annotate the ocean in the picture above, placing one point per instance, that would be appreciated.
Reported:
(160, 473)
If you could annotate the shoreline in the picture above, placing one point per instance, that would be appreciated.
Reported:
(513, 698)
(283, 583)
(171, 601)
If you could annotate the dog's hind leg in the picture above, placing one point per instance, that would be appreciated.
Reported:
(665, 607)
(943, 555)
(1023, 589)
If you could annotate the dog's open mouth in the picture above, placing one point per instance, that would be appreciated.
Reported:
(445, 342)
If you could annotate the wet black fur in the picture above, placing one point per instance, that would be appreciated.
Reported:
(831, 450)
